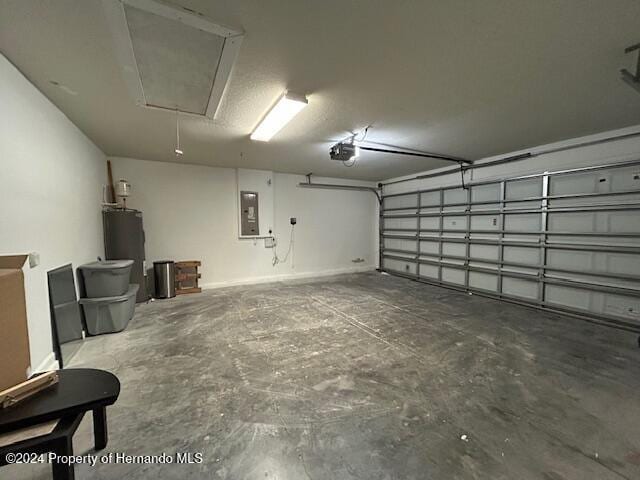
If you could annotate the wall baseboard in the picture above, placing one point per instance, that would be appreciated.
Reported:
(287, 276)
(49, 363)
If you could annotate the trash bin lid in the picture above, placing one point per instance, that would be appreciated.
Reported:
(106, 265)
(161, 262)
(131, 292)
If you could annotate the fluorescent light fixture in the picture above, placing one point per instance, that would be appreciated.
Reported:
(282, 112)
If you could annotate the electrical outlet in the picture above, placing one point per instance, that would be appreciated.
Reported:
(269, 242)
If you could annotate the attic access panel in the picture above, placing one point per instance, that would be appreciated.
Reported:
(172, 58)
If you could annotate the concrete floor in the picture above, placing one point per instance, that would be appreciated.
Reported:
(365, 377)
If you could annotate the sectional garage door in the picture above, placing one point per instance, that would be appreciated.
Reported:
(566, 240)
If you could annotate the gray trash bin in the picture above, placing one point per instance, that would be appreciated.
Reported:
(164, 272)
(109, 314)
(109, 278)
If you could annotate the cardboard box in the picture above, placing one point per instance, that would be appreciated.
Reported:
(14, 336)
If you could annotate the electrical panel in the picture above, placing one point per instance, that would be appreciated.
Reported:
(249, 224)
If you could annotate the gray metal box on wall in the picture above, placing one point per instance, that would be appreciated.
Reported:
(249, 223)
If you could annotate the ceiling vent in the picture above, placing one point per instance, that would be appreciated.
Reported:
(172, 58)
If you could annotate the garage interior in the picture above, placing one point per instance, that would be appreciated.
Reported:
(309, 240)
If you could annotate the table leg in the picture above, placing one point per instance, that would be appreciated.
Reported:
(60, 470)
(100, 427)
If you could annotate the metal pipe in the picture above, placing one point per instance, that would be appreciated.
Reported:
(415, 154)
(331, 186)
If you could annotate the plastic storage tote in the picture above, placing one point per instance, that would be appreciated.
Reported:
(109, 314)
(109, 278)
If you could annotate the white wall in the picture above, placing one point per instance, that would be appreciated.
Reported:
(51, 188)
(190, 212)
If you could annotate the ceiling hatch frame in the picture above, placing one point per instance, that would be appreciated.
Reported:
(124, 49)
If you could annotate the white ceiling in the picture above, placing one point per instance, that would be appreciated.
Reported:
(458, 77)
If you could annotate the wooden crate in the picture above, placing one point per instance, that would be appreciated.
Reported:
(187, 277)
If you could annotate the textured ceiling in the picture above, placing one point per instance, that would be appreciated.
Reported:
(459, 77)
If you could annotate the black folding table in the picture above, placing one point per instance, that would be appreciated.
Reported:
(77, 391)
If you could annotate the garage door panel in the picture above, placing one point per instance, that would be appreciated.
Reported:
(605, 239)
(479, 237)
(522, 222)
(518, 287)
(622, 306)
(532, 204)
(601, 280)
(622, 179)
(572, 222)
(453, 275)
(588, 201)
(571, 259)
(429, 271)
(568, 297)
(485, 222)
(454, 223)
(621, 263)
(408, 201)
(399, 265)
(485, 193)
(483, 281)
(457, 195)
(429, 210)
(624, 221)
(516, 189)
(391, 223)
(429, 223)
(527, 255)
(399, 244)
(574, 183)
(456, 249)
(530, 271)
(430, 199)
(485, 206)
(486, 252)
(429, 247)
